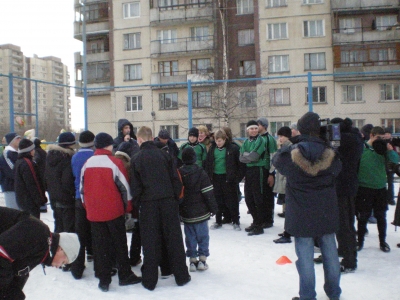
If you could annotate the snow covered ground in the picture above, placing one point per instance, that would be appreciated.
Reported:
(241, 267)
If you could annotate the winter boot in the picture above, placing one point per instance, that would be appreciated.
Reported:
(216, 226)
(256, 231)
(202, 265)
(236, 227)
(193, 262)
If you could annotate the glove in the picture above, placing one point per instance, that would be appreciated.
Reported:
(129, 222)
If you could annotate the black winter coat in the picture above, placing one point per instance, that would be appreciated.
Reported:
(25, 244)
(40, 159)
(235, 170)
(28, 192)
(310, 168)
(154, 176)
(120, 138)
(7, 167)
(199, 200)
(59, 177)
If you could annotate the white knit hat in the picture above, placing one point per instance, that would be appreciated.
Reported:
(69, 242)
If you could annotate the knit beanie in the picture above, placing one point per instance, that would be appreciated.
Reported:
(293, 126)
(164, 134)
(194, 132)
(309, 124)
(36, 141)
(66, 139)
(263, 122)
(125, 148)
(189, 156)
(251, 123)
(25, 145)
(285, 131)
(69, 242)
(345, 125)
(103, 140)
(86, 139)
(10, 137)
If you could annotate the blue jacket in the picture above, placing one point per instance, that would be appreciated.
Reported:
(77, 162)
(7, 163)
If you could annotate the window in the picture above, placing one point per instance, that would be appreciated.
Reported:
(243, 128)
(134, 103)
(247, 67)
(383, 56)
(392, 124)
(358, 123)
(199, 33)
(279, 96)
(98, 72)
(390, 92)
(277, 31)
(352, 93)
(350, 25)
(168, 68)
(167, 4)
(201, 99)
(276, 3)
(132, 41)
(248, 99)
(318, 94)
(167, 36)
(131, 10)
(244, 7)
(275, 126)
(246, 37)
(168, 101)
(201, 66)
(353, 58)
(385, 22)
(314, 28)
(133, 72)
(278, 63)
(172, 129)
(312, 1)
(314, 61)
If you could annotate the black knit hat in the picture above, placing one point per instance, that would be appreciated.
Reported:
(86, 139)
(251, 123)
(66, 139)
(164, 134)
(309, 123)
(194, 132)
(188, 156)
(103, 140)
(36, 141)
(10, 137)
(126, 148)
(285, 131)
(345, 125)
(25, 145)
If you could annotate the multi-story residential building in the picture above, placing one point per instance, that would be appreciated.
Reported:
(53, 101)
(137, 48)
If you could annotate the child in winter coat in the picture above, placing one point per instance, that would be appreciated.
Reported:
(193, 142)
(284, 134)
(196, 208)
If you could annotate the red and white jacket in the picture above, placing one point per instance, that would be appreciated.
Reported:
(104, 187)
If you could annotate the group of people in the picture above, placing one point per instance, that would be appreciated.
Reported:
(149, 186)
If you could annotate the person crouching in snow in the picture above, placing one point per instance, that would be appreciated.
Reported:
(196, 208)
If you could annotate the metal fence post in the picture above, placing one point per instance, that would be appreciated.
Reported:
(36, 108)
(189, 87)
(310, 93)
(11, 100)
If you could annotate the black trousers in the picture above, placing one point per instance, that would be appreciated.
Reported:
(252, 193)
(64, 219)
(268, 204)
(109, 242)
(366, 200)
(227, 199)
(160, 225)
(83, 229)
(346, 236)
(390, 187)
(136, 244)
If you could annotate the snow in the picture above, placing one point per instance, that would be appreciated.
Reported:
(240, 267)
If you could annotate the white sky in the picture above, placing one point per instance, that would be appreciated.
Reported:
(45, 28)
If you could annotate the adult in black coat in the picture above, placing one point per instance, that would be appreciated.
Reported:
(40, 159)
(169, 144)
(25, 242)
(29, 190)
(60, 182)
(350, 151)
(155, 187)
(125, 134)
(312, 212)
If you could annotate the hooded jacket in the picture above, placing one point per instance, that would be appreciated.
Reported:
(120, 138)
(310, 168)
(7, 163)
(59, 177)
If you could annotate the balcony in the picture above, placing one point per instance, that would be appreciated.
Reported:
(354, 5)
(77, 3)
(365, 34)
(168, 15)
(102, 89)
(180, 77)
(99, 28)
(366, 70)
(183, 46)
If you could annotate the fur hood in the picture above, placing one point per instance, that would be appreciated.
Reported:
(56, 154)
(54, 147)
(312, 168)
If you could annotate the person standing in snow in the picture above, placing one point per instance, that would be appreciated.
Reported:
(312, 212)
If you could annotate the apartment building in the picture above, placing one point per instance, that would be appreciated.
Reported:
(136, 48)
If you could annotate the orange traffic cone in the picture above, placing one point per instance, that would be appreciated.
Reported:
(283, 260)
